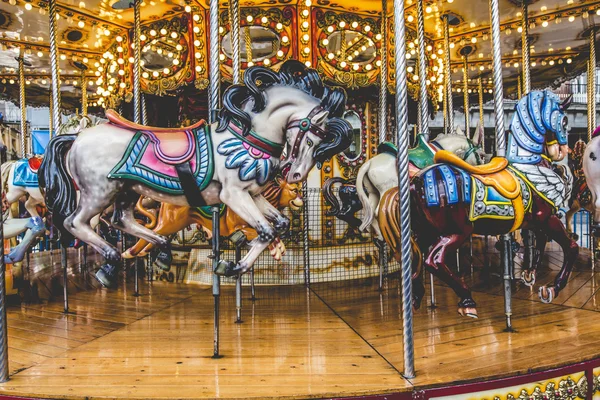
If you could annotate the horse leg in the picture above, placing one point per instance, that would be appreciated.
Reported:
(436, 260)
(569, 218)
(244, 205)
(557, 232)
(35, 229)
(373, 204)
(528, 275)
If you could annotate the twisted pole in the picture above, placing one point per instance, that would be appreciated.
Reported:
(234, 22)
(248, 44)
(137, 56)
(526, 80)
(50, 109)
(466, 94)
(84, 99)
(3, 322)
(448, 75)
(383, 73)
(403, 187)
(144, 111)
(480, 87)
(592, 85)
(23, 107)
(54, 65)
(497, 79)
(423, 106)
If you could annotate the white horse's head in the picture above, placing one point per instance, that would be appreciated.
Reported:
(591, 170)
(469, 150)
(291, 108)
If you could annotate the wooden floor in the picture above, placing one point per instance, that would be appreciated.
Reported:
(336, 339)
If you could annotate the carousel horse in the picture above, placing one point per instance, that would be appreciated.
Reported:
(173, 218)
(374, 175)
(591, 171)
(20, 178)
(451, 199)
(227, 162)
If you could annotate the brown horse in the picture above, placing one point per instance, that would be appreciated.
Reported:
(581, 197)
(173, 218)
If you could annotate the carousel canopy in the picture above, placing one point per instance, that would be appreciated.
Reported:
(342, 39)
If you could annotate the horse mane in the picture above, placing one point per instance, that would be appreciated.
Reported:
(257, 79)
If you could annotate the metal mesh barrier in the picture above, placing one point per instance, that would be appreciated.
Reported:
(336, 252)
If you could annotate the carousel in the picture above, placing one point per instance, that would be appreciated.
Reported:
(300, 199)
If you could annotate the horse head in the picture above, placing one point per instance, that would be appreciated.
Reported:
(538, 128)
(462, 146)
(291, 107)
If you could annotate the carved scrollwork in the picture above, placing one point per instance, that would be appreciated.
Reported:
(566, 389)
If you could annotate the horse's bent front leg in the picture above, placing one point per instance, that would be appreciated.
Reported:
(528, 275)
(569, 218)
(557, 232)
(244, 205)
(280, 221)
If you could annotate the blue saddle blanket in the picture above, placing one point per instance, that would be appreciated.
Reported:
(24, 176)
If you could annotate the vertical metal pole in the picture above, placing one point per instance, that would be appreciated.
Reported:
(213, 105)
(448, 75)
(305, 238)
(252, 289)
(506, 257)
(526, 81)
(432, 292)
(519, 87)
(52, 14)
(403, 187)
(137, 56)
(63, 261)
(234, 22)
(238, 287)
(466, 95)
(591, 83)
(481, 121)
(383, 74)
(497, 79)
(23, 105)
(84, 99)
(423, 106)
(144, 110)
(216, 254)
(50, 125)
(136, 283)
(3, 322)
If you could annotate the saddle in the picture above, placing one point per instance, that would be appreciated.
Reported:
(172, 146)
(34, 163)
(494, 174)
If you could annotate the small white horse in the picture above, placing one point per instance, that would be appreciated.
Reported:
(380, 173)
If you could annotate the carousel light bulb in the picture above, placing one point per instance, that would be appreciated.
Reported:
(188, 9)
(551, 62)
(415, 77)
(196, 29)
(196, 17)
(175, 61)
(452, 45)
(112, 81)
(120, 61)
(343, 64)
(279, 26)
(198, 68)
(63, 57)
(119, 39)
(131, 59)
(163, 32)
(519, 29)
(90, 83)
(410, 69)
(222, 57)
(174, 35)
(159, 51)
(410, 18)
(179, 47)
(305, 37)
(249, 18)
(342, 24)
(330, 29)
(166, 71)
(545, 24)
(305, 13)
(598, 11)
(142, 37)
(305, 25)
(571, 18)
(266, 61)
(428, 10)
(355, 67)
(198, 54)
(81, 4)
(411, 45)
(119, 49)
(81, 24)
(28, 6)
(378, 63)
(533, 64)
(473, 40)
(279, 53)
(307, 50)
(308, 3)
(12, 81)
(569, 61)
(145, 75)
(106, 32)
(122, 85)
(378, 36)
(264, 20)
(330, 56)
(367, 28)
(40, 54)
(285, 39)
(155, 74)
(121, 72)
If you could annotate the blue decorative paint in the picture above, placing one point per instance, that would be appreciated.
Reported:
(455, 188)
(431, 191)
(450, 184)
(251, 163)
(466, 184)
(23, 175)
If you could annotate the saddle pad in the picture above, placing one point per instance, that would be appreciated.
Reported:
(23, 175)
(489, 204)
(141, 163)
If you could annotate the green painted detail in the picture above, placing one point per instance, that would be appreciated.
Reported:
(206, 211)
(421, 155)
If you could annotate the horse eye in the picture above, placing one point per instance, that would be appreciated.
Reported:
(309, 142)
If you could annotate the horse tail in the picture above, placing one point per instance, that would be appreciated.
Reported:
(368, 213)
(57, 185)
(142, 210)
(389, 223)
(5, 173)
(331, 198)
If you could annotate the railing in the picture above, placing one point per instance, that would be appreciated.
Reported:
(581, 227)
(578, 90)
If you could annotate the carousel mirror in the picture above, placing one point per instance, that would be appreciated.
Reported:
(351, 46)
(353, 152)
(160, 55)
(265, 43)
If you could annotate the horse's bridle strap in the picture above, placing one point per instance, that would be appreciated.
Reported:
(305, 125)
(253, 139)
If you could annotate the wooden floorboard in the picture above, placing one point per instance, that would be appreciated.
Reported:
(336, 339)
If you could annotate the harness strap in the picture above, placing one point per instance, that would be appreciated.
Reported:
(305, 125)
(190, 188)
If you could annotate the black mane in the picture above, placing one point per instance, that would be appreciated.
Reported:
(292, 73)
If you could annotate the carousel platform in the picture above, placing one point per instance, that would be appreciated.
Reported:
(334, 340)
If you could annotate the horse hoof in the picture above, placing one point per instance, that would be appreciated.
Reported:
(105, 279)
(528, 278)
(127, 255)
(468, 312)
(547, 294)
(163, 261)
(226, 268)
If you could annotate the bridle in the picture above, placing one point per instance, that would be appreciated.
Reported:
(470, 151)
(305, 125)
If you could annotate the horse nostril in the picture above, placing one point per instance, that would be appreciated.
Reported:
(297, 175)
